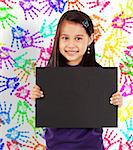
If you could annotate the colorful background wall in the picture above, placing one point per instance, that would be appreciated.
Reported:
(27, 29)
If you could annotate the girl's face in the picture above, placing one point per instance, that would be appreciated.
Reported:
(73, 42)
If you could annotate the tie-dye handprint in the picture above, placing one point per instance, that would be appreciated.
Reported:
(6, 17)
(98, 29)
(24, 93)
(22, 111)
(128, 132)
(16, 135)
(7, 2)
(44, 56)
(8, 83)
(126, 112)
(126, 67)
(99, 3)
(48, 30)
(25, 65)
(74, 4)
(17, 34)
(6, 58)
(111, 49)
(29, 8)
(5, 114)
(34, 144)
(122, 23)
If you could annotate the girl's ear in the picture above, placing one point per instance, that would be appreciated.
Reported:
(91, 39)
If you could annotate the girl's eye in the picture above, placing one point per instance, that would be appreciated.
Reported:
(78, 38)
(64, 38)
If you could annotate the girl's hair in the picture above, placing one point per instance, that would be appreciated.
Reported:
(75, 16)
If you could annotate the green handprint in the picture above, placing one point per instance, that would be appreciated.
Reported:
(37, 131)
(22, 111)
(6, 17)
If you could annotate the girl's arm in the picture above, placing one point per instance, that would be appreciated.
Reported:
(117, 99)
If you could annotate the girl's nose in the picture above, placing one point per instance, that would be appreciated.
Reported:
(71, 44)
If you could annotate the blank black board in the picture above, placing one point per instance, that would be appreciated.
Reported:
(76, 97)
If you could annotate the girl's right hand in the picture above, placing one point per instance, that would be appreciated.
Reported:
(36, 92)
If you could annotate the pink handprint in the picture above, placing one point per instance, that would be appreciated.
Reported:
(6, 2)
(23, 93)
(44, 55)
(129, 51)
(13, 145)
(109, 139)
(122, 23)
(128, 145)
(99, 3)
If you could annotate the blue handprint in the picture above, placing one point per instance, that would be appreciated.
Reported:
(5, 114)
(17, 135)
(8, 83)
(17, 34)
(1, 144)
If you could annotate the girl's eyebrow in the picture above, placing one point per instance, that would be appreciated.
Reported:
(79, 35)
(63, 34)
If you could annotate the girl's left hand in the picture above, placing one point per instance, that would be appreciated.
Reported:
(116, 99)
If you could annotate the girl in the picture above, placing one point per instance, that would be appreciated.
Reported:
(74, 46)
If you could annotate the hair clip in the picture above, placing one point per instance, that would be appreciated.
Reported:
(85, 23)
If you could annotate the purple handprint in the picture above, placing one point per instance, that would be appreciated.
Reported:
(5, 57)
(32, 41)
(28, 8)
(49, 5)
(127, 88)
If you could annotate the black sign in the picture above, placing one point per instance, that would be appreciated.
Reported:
(76, 97)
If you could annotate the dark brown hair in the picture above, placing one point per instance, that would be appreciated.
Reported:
(75, 16)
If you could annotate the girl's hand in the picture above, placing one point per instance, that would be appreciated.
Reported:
(36, 92)
(116, 99)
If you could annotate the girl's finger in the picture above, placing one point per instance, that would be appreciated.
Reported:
(36, 87)
(36, 90)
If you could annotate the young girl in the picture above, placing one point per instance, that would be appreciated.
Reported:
(74, 46)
